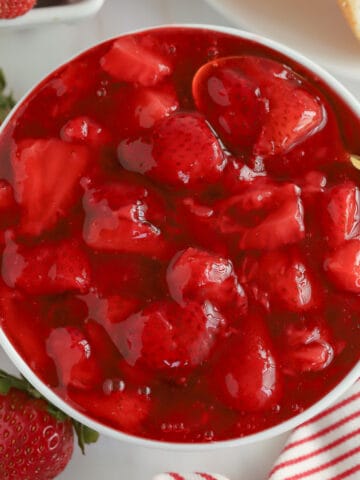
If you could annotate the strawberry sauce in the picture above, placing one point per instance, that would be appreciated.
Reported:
(180, 235)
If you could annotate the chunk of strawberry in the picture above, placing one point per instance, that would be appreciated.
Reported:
(111, 310)
(130, 60)
(246, 375)
(342, 266)
(148, 105)
(294, 115)
(341, 213)
(198, 275)
(168, 338)
(306, 347)
(124, 218)
(258, 101)
(231, 101)
(182, 151)
(124, 409)
(74, 359)
(38, 166)
(84, 130)
(265, 216)
(51, 268)
(281, 279)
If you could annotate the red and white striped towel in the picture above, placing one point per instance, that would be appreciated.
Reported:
(327, 447)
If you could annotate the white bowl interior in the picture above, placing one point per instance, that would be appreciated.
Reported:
(278, 429)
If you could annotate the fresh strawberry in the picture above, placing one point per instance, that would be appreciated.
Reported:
(15, 8)
(84, 130)
(231, 101)
(265, 216)
(124, 218)
(198, 275)
(122, 409)
(75, 362)
(169, 338)
(282, 279)
(36, 439)
(130, 60)
(342, 266)
(37, 167)
(45, 269)
(341, 213)
(246, 376)
(306, 347)
(181, 151)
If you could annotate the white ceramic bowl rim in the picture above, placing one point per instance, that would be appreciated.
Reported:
(278, 429)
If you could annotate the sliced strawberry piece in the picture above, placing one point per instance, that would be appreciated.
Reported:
(129, 60)
(257, 101)
(182, 151)
(341, 213)
(281, 279)
(37, 167)
(84, 130)
(124, 218)
(125, 410)
(231, 102)
(50, 268)
(168, 338)
(294, 115)
(342, 266)
(266, 216)
(306, 347)
(148, 105)
(246, 376)
(198, 275)
(73, 357)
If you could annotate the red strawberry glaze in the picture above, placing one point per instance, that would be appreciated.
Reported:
(180, 239)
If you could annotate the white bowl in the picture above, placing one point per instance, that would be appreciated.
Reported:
(61, 13)
(278, 429)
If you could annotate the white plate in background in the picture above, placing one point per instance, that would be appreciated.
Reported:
(70, 12)
(315, 28)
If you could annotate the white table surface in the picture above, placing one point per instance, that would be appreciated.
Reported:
(26, 56)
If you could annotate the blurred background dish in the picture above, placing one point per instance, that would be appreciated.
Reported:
(316, 29)
(54, 11)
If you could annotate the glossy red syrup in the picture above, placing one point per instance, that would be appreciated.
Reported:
(180, 235)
